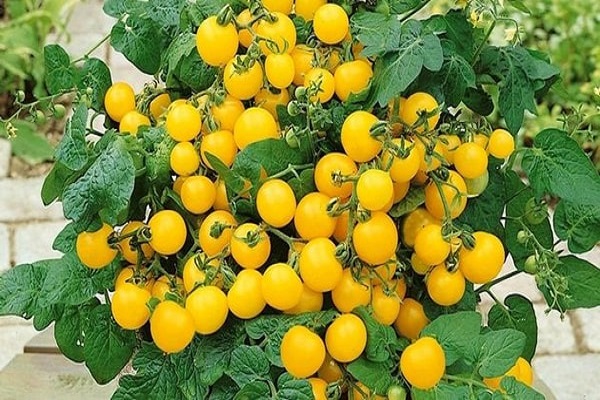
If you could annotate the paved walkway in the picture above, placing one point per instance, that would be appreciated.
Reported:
(568, 351)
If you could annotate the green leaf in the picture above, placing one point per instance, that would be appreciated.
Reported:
(518, 314)
(484, 212)
(100, 189)
(467, 303)
(215, 350)
(395, 71)
(479, 101)
(248, 364)
(118, 8)
(72, 150)
(274, 155)
(195, 73)
(224, 389)
(578, 224)
(158, 165)
(375, 375)
(155, 377)
(29, 144)
(455, 333)
(165, 12)
(377, 32)
(60, 74)
(108, 347)
(139, 40)
(71, 283)
(69, 330)
(442, 391)
(519, 390)
(518, 74)
(20, 288)
(460, 32)
(59, 177)
(304, 183)
(273, 327)
(403, 6)
(451, 82)
(520, 5)
(254, 391)
(517, 195)
(95, 75)
(557, 166)
(382, 342)
(582, 279)
(293, 389)
(498, 351)
(414, 198)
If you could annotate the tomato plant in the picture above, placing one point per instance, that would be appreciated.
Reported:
(308, 202)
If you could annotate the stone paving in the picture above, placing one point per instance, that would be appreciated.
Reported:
(568, 357)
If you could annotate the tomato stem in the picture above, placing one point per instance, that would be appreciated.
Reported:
(489, 285)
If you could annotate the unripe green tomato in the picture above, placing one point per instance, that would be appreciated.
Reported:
(292, 108)
(59, 111)
(476, 186)
(300, 92)
(396, 392)
(530, 265)
(535, 213)
(522, 237)
(39, 117)
(20, 96)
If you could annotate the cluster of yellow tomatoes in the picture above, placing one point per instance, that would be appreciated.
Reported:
(345, 243)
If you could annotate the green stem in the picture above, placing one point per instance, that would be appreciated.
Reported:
(483, 43)
(94, 48)
(468, 381)
(415, 10)
(496, 281)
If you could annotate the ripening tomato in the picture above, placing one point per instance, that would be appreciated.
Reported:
(307, 8)
(430, 245)
(172, 327)
(411, 319)
(444, 287)
(330, 371)
(220, 144)
(167, 284)
(423, 363)
(329, 171)
(385, 306)
(384, 273)
(269, 100)
(279, 69)
(216, 231)
(184, 122)
(302, 352)
(417, 104)
(184, 159)
(502, 144)
(243, 19)
(304, 60)
(93, 248)
(361, 392)
(168, 232)
(276, 203)
(253, 125)
(454, 191)
(346, 338)
(430, 157)
(198, 194)
(319, 388)
(130, 253)
(226, 113)
(484, 262)
(470, 160)
(281, 287)
(319, 268)
(141, 278)
(376, 239)
(159, 105)
(330, 23)
(401, 189)
(310, 301)
(402, 168)
(221, 201)
(208, 308)
(352, 77)
(216, 43)
(341, 227)
(132, 121)
(119, 100)
(243, 78)
(449, 144)
(282, 6)
(311, 219)
(350, 293)
(322, 81)
(245, 298)
(521, 371)
(374, 189)
(414, 222)
(356, 136)
(279, 33)
(250, 246)
(128, 306)
(198, 270)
